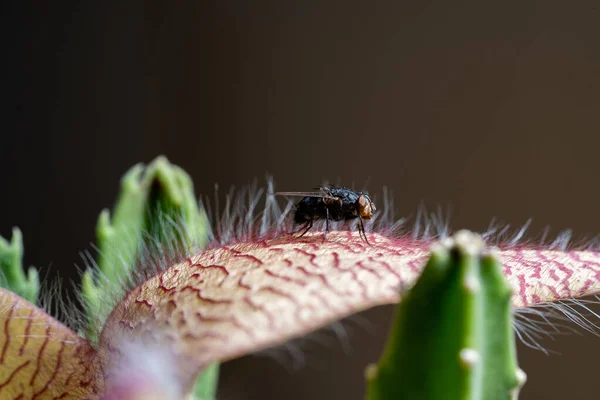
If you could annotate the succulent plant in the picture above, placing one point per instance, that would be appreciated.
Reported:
(170, 296)
(452, 336)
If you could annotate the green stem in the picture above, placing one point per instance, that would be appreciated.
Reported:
(452, 336)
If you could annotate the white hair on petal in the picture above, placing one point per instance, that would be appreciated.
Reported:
(547, 320)
(254, 213)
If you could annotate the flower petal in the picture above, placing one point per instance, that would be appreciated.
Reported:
(40, 358)
(238, 299)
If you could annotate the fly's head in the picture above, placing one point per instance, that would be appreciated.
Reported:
(366, 207)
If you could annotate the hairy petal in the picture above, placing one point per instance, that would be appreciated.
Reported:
(541, 276)
(39, 357)
(241, 298)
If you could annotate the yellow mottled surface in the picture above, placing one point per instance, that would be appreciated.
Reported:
(39, 357)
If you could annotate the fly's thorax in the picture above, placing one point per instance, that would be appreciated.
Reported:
(333, 201)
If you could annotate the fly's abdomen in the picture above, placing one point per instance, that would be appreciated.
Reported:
(301, 217)
(309, 209)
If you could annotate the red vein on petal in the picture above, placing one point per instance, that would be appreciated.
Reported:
(54, 373)
(39, 357)
(7, 333)
(27, 333)
(13, 373)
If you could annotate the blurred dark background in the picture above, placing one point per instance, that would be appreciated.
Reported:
(491, 108)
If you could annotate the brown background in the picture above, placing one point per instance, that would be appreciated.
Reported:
(492, 109)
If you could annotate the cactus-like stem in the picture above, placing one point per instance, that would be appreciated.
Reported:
(452, 336)
(205, 387)
(157, 202)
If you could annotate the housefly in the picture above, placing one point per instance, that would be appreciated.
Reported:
(332, 203)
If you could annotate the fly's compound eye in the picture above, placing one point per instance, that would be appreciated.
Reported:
(366, 208)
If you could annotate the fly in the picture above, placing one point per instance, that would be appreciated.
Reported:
(332, 203)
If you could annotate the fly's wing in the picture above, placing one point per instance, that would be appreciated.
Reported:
(330, 191)
(337, 191)
(323, 194)
(300, 194)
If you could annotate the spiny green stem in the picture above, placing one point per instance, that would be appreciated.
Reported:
(452, 335)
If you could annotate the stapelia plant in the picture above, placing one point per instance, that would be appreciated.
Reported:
(464, 348)
(168, 297)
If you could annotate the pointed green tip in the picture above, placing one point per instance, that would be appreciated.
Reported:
(13, 275)
(452, 336)
(149, 196)
(156, 210)
(92, 298)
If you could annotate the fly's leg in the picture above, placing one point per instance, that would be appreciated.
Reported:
(301, 228)
(361, 229)
(326, 223)
(309, 225)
